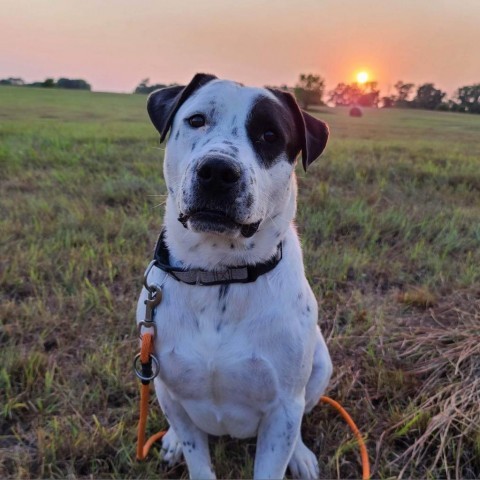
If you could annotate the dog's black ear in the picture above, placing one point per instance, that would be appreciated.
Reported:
(313, 132)
(162, 105)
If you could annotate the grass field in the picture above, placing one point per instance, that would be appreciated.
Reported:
(390, 223)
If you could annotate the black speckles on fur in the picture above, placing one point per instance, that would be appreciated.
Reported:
(308, 308)
(223, 291)
(234, 132)
(170, 190)
(232, 246)
(277, 234)
(193, 248)
(177, 134)
(249, 201)
(214, 245)
(251, 246)
(221, 152)
(189, 445)
(194, 144)
(207, 141)
(300, 295)
(222, 297)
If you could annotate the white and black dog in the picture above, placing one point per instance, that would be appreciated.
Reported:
(238, 344)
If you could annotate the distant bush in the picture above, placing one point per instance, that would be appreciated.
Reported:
(74, 84)
(15, 81)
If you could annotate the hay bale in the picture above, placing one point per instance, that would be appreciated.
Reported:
(355, 112)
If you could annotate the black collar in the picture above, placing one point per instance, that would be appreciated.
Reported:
(196, 276)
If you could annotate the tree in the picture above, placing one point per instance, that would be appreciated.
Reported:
(370, 95)
(388, 101)
(468, 99)
(428, 97)
(144, 87)
(404, 91)
(366, 95)
(48, 83)
(309, 90)
(345, 95)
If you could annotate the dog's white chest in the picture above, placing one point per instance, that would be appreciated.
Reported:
(218, 376)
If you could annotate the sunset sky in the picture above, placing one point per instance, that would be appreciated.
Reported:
(114, 44)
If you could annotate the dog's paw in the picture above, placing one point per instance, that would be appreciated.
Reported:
(304, 463)
(171, 448)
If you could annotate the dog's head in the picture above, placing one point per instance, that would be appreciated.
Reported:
(231, 151)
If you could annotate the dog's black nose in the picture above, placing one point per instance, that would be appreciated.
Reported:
(218, 174)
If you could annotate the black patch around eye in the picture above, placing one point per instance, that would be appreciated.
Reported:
(270, 136)
(196, 121)
(271, 131)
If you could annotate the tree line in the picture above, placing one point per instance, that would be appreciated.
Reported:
(310, 91)
(69, 83)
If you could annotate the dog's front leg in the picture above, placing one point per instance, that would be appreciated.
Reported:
(194, 441)
(277, 436)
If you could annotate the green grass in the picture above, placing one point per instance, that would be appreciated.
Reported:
(390, 223)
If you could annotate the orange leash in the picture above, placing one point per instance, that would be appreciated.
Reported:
(356, 432)
(143, 446)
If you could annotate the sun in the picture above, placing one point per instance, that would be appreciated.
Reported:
(362, 77)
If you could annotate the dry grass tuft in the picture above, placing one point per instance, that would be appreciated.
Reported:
(446, 407)
(419, 297)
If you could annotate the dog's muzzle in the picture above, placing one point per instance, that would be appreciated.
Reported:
(218, 222)
(217, 186)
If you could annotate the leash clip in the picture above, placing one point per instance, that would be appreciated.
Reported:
(154, 299)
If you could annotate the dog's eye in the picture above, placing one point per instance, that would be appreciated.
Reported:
(270, 136)
(196, 121)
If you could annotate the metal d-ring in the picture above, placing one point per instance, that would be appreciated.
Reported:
(138, 371)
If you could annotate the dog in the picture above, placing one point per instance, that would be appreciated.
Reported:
(239, 348)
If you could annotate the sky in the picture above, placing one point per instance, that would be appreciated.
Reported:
(114, 44)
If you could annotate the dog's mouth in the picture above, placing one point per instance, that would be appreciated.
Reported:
(215, 221)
